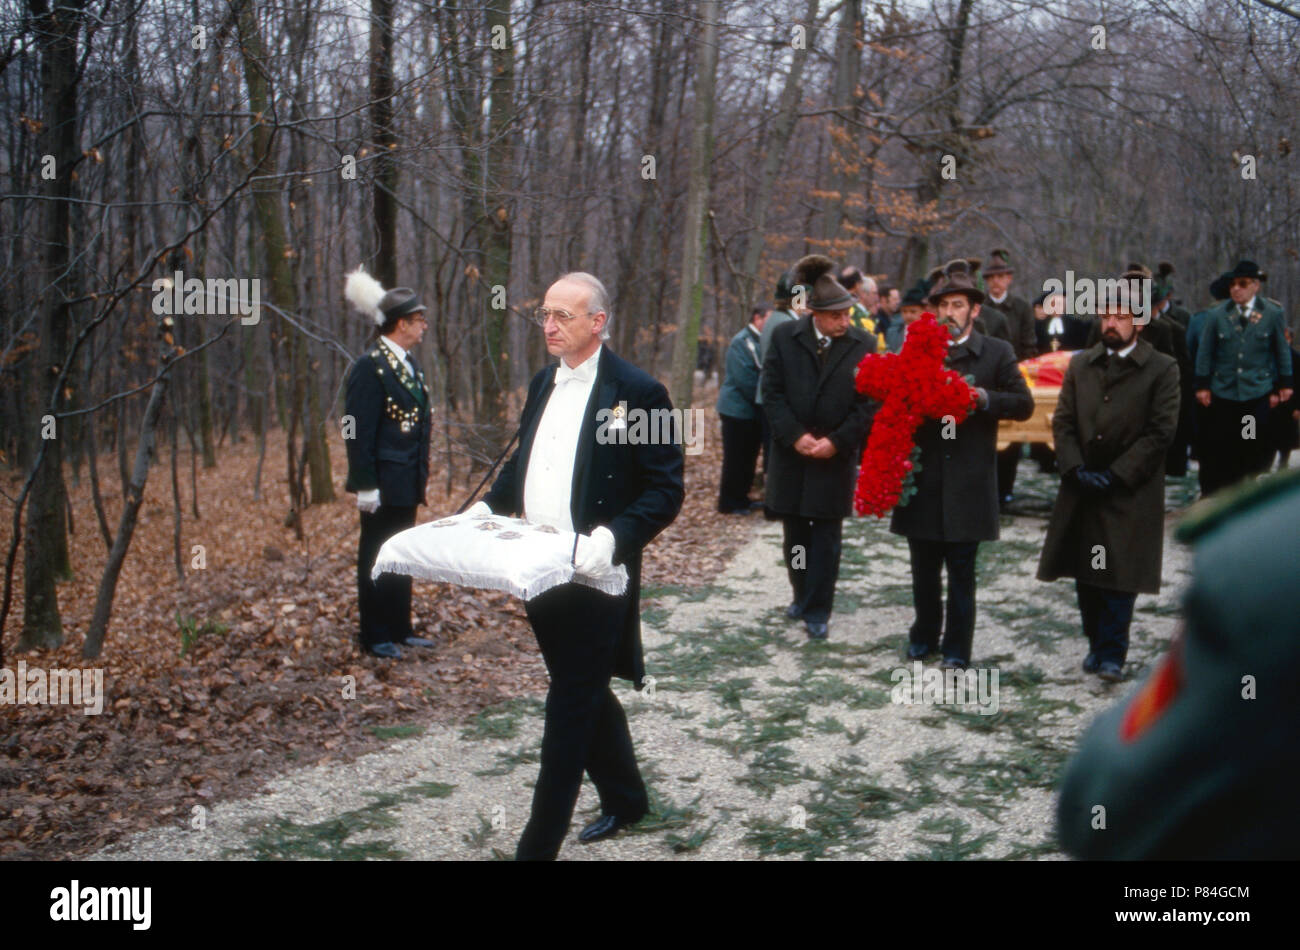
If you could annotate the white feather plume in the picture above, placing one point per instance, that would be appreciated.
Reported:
(364, 293)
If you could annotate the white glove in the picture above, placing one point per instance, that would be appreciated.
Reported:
(595, 553)
(368, 501)
(479, 508)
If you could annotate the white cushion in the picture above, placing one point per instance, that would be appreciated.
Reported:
(491, 552)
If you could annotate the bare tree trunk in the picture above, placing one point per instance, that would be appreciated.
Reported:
(126, 525)
(45, 554)
(696, 228)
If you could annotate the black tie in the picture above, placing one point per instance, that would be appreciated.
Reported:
(823, 345)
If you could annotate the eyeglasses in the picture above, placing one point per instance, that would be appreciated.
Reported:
(1242, 281)
(562, 317)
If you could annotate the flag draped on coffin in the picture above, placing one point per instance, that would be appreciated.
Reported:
(490, 552)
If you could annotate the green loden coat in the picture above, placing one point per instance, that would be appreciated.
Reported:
(1123, 421)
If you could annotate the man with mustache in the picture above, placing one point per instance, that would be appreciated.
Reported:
(1114, 421)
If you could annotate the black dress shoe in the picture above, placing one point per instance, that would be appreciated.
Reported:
(606, 826)
(919, 651)
(953, 663)
(417, 642)
(387, 650)
(1091, 663)
(794, 611)
(817, 630)
(1110, 671)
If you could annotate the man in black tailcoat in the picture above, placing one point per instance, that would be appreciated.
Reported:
(617, 493)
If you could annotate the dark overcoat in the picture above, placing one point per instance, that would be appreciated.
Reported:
(800, 396)
(1118, 417)
(957, 487)
(634, 490)
(388, 447)
(1020, 324)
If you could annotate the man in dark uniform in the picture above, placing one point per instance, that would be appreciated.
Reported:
(617, 495)
(1114, 420)
(819, 421)
(783, 312)
(1200, 763)
(956, 502)
(1195, 329)
(998, 275)
(1243, 368)
(742, 428)
(1164, 310)
(387, 404)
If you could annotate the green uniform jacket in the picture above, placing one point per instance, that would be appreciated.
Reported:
(1121, 418)
(1210, 773)
(1243, 364)
(736, 395)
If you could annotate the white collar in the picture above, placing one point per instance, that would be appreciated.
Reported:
(750, 328)
(999, 299)
(1250, 304)
(401, 353)
(970, 328)
(820, 336)
(1126, 351)
(584, 372)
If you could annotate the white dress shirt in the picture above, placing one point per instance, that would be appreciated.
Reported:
(548, 484)
(401, 355)
(1124, 352)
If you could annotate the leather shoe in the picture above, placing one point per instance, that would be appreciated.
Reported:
(1110, 671)
(387, 650)
(817, 630)
(953, 663)
(919, 651)
(1091, 663)
(417, 642)
(606, 826)
(794, 611)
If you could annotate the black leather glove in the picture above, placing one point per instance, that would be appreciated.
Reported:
(1094, 483)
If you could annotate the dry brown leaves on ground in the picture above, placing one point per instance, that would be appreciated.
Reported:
(273, 624)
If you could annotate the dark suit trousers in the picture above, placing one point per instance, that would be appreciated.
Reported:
(1008, 462)
(385, 605)
(741, 440)
(578, 630)
(1106, 618)
(813, 570)
(1226, 457)
(928, 559)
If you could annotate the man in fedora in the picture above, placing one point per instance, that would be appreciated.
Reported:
(1117, 414)
(1243, 368)
(998, 275)
(956, 502)
(819, 421)
(387, 403)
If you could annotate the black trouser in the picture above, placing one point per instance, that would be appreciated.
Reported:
(741, 440)
(385, 605)
(1226, 456)
(767, 438)
(1008, 461)
(1106, 617)
(1044, 455)
(814, 568)
(578, 630)
(928, 559)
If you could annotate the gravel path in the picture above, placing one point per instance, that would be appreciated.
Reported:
(754, 741)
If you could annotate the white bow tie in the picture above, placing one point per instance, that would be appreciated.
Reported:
(583, 373)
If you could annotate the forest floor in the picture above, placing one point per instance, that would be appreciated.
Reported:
(755, 742)
(268, 631)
